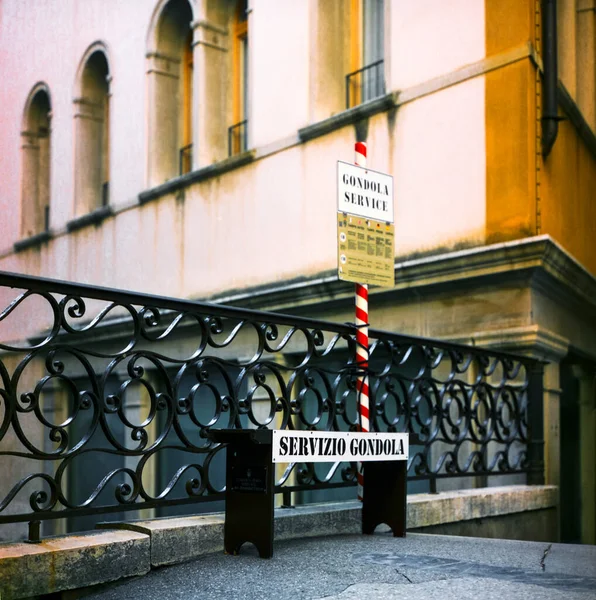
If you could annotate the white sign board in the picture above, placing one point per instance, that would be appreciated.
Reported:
(336, 446)
(364, 193)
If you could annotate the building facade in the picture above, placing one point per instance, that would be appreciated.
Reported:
(189, 147)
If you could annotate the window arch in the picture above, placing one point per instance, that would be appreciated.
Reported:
(35, 149)
(92, 132)
(170, 72)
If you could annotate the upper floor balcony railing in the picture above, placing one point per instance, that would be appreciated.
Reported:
(105, 193)
(106, 397)
(185, 159)
(238, 138)
(365, 84)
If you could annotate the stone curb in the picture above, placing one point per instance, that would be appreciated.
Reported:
(425, 510)
(175, 540)
(69, 562)
(125, 549)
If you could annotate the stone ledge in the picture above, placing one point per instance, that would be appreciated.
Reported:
(32, 241)
(95, 217)
(70, 562)
(425, 510)
(127, 549)
(348, 117)
(179, 539)
(316, 520)
(182, 181)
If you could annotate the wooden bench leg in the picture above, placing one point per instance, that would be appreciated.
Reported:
(384, 496)
(249, 498)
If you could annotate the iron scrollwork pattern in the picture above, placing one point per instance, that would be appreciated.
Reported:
(106, 401)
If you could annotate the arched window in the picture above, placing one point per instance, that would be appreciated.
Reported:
(170, 71)
(35, 177)
(92, 134)
(238, 132)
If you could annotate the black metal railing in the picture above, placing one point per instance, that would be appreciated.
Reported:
(185, 159)
(106, 397)
(105, 193)
(238, 138)
(365, 84)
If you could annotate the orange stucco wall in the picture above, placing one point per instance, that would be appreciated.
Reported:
(510, 153)
(510, 112)
(568, 195)
(525, 193)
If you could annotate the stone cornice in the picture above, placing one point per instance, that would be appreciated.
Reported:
(533, 340)
(537, 260)
(538, 263)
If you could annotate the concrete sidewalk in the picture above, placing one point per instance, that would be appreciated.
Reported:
(377, 567)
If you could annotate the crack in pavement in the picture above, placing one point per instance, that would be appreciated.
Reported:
(543, 559)
(424, 564)
(404, 575)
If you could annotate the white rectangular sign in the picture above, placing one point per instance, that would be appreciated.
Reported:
(336, 446)
(364, 193)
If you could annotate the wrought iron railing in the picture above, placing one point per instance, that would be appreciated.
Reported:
(106, 397)
(185, 159)
(238, 138)
(365, 84)
(105, 193)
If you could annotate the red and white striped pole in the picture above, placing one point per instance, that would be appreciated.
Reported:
(361, 322)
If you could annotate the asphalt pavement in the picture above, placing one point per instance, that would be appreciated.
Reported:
(377, 567)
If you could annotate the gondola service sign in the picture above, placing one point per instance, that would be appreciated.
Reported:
(336, 446)
(365, 230)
